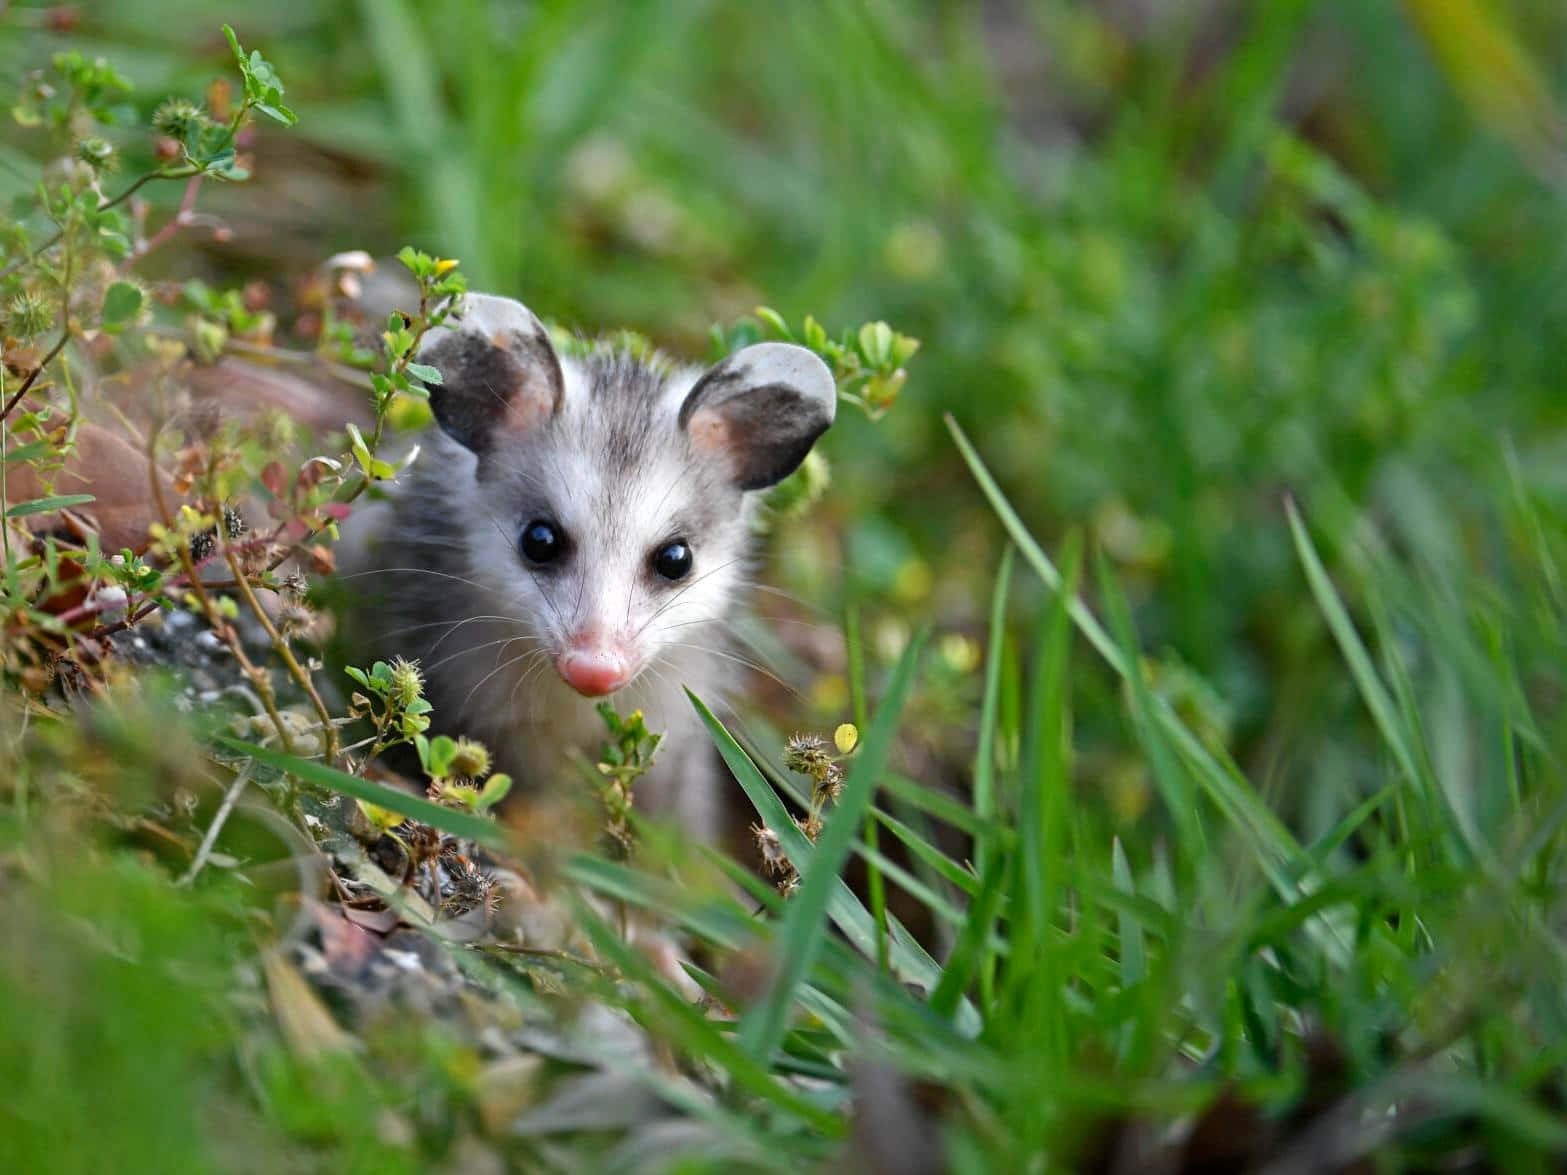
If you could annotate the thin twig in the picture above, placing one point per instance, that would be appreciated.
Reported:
(222, 815)
(145, 604)
(295, 669)
(54, 352)
(179, 220)
(23, 262)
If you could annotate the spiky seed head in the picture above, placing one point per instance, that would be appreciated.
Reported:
(407, 682)
(471, 759)
(181, 120)
(774, 861)
(831, 783)
(805, 754)
(96, 153)
(27, 315)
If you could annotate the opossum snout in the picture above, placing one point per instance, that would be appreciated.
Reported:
(594, 668)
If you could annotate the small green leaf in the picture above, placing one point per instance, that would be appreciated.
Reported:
(360, 450)
(494, 790)
(815, 336)
(44, 505)
(278, 113)
(876, 343)
(424, 371)
(121, 304)
(463, 824)
(28, 452)
(442, 748)
(416, 262)
(775, 320)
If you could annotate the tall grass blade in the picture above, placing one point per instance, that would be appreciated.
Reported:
(984, 800)
(458, 823)
(800, 938)
(970, 954)
(1216, 774)
(1372, 690)
(907, 959)
(1134, 956)
(1168, 775)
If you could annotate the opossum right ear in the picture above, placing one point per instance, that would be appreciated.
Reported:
(500, 375)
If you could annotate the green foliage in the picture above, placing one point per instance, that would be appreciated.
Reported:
(626, 757)
(1255, 353)
(868, 363)
(263, 89)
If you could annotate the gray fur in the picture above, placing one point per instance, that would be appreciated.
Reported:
(438, 575)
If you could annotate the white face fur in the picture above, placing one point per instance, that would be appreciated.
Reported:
(600, 504)
(638, 559)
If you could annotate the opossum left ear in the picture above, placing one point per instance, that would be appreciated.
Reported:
(500, 375)
(759, 411)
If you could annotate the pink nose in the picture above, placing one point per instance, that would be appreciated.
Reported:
(593, 672)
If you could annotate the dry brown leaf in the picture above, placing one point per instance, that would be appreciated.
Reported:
(114, 472)
(307, 1026)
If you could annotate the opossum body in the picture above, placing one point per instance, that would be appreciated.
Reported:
(577, 529)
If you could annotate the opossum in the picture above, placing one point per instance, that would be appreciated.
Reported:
(578, 528)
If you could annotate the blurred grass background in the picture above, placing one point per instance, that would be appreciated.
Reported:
(1172, 264)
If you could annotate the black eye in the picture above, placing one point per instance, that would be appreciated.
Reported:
(541, 542)
(673, 560)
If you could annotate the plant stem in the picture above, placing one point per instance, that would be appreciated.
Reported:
(280, 644)
(257, 676)
(875, 883)
(176, 222)
(32, 258)
(218, 820)
(54, 352)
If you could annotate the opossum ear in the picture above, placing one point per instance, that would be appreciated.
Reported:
(500, 375)
(760, 411)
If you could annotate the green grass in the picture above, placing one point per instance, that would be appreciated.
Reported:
(1235, 439)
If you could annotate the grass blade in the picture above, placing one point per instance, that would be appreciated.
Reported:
(1046, 773)
(800, 938)
(1134, 956)
(985, 753)
(1167, 773)
(854, 652)
(1214, 772)
(1375, 694)
(907, 959)
(458, 823)
(969, 953)
(44, 505)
